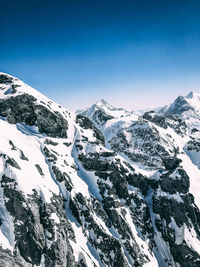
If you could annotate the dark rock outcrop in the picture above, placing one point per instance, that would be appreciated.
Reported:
(85, 123)
(171, 163)
(22, 108)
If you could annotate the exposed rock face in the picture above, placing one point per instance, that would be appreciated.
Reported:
(101, 116)
(171, 120)
(85, 123)
(23, 108)
(155, 118)
(136, 142)
(114, 185)
(171, 163)
(35, 231)
(103, 188)
(193, 145)
(179, 106)
(177, 124)
(6, 79)
(170, 199)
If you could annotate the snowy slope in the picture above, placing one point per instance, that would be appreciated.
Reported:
(110, 188)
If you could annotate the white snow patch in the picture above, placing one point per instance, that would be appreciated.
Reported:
(191, 239)
(55, 218)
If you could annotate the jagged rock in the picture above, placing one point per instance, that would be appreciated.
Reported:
(171, 163)
(50, 142)
(13, 146)
(62, 177)
(193, 145)
(6, 79)
(23, 108)
(22, 156)
(39, 169)
(176, 123)
(157, 119)
(11, 162)
(29, 235)
(49, 155)
(86, 124)
(180, 106)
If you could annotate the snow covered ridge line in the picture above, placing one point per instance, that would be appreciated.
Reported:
(107, 187)
(11, 86)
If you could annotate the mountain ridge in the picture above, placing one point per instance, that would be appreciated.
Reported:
(103, 188)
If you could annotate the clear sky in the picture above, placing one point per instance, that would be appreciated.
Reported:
(132, 53)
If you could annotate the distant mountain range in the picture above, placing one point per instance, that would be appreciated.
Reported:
(100, 187)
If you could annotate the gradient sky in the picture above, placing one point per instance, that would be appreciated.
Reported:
(134, 54)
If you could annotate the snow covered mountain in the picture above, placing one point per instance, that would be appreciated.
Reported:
(105, 187)
(187, 108)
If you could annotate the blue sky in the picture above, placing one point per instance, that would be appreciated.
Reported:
(134, 54)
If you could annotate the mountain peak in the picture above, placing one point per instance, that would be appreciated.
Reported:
(193, 95)
(190, 102)
(12, 86)
(102, 102)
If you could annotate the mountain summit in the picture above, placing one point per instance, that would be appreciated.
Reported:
(185, 103)
(102, 112)
(193, 95)
(105, 187)
(103, 102)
